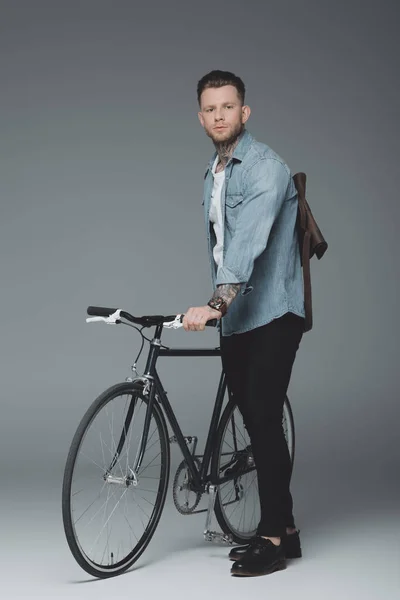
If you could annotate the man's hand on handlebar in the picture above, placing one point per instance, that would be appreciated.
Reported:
(196, 318)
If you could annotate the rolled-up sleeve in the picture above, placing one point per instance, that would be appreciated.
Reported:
(265, 187)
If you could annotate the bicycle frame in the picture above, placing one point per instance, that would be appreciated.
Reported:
(153, 387)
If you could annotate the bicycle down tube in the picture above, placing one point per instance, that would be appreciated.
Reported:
(156, 388)
(198, 475)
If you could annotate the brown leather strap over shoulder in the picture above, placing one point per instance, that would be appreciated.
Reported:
(307, 282)
(311, 241)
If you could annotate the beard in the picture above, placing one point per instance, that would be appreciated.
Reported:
(221, 142)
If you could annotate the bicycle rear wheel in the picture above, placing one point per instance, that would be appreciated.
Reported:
(110, 513)
(237, 504)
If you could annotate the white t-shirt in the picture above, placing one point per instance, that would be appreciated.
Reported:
(216, 213)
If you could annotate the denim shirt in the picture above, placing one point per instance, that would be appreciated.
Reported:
(261, 251)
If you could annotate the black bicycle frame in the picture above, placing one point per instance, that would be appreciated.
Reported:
(199, 476)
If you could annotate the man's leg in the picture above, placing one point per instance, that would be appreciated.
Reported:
(240, 354)
(235, 364)
(260, 364)
(271, 351)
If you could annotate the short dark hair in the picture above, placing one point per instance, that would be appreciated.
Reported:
(216, 79)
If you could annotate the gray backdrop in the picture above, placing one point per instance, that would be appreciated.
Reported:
(101, 174)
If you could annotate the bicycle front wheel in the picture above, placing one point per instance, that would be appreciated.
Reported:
(110, 512)
(237, 504)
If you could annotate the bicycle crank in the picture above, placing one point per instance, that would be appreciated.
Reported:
(185, 498)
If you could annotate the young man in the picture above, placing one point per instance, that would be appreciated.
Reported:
(250, 205)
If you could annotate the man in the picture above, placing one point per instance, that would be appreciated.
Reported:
(250, 205)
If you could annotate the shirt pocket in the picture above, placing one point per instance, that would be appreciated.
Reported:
(233, 205)
(233, 200)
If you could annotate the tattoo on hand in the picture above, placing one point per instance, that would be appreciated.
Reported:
(227, 291)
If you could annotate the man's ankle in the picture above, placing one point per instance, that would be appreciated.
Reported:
(275, 540)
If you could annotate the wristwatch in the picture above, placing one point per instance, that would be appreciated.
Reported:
(218, 303)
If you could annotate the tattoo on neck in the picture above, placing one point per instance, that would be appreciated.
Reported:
(225, 151)
(227, 291)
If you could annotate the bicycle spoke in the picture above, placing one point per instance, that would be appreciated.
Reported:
(90, 505)
(112, 512)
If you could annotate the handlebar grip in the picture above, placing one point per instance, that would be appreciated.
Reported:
(100, 311)
(211, 323)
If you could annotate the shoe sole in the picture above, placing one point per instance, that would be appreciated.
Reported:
(281, 566)
(240, 556)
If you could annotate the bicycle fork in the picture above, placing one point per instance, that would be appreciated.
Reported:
(149, 392)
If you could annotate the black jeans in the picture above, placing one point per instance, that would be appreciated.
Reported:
(258, 365)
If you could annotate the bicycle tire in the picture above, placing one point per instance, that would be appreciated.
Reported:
(90, 566)
(244, 537)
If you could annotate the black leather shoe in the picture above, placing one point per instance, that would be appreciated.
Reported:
(262, 558)
(290, 542)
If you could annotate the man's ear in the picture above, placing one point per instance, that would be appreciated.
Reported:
(246, 112)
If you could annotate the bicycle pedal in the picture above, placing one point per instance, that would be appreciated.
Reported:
(218, 537)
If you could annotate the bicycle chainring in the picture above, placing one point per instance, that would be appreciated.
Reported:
(185, 498)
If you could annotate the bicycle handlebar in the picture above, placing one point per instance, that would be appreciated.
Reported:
(113, 315)
(100, 311)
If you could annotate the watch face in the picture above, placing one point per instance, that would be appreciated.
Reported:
(217, 303)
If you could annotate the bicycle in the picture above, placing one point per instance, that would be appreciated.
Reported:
(113, 474)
